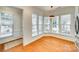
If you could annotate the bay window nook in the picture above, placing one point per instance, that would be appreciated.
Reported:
(58, 24)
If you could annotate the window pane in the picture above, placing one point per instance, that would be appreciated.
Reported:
(6, 29)
(34, 28)
(34, 34)
(47, 28)
(46, 20)
(40, 19)
(55, 24)
(65, 19)
(40, 24)
(65, 29)
(34, 19)
(6, 23)
(65, 24)
(46, 24)
(34, 25)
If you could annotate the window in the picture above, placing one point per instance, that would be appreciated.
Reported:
(6, 25)
(40, 24)
(55, 24)
(34, 25)
(46, 24)
(65, 23)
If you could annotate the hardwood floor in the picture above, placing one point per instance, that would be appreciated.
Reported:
(46, 44)
(1, 47)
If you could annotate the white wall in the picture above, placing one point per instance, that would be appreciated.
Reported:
(27, 22)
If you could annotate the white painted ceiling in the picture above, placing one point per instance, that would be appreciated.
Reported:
(48, 8)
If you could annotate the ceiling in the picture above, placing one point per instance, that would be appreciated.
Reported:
(47, 8)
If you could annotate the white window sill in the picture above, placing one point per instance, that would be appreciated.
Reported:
(4, 36)
(68, 36)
